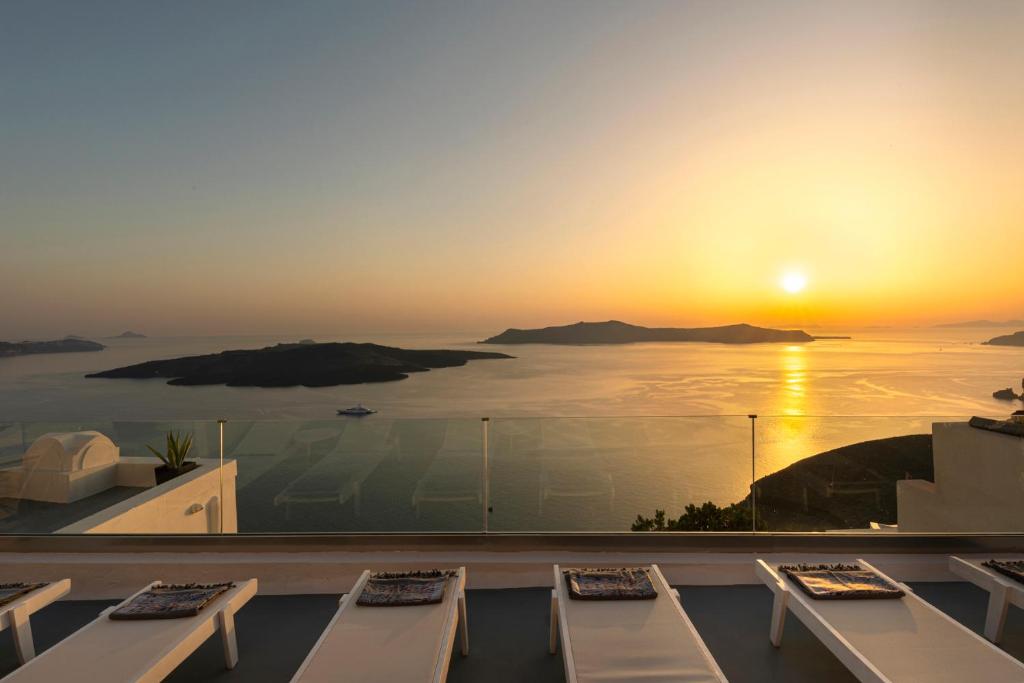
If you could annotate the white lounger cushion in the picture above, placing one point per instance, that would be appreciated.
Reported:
(646, 641)
(901, 640)
(384, 644)
(135, 650)
(908, 639)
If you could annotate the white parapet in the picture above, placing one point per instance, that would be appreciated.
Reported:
(978, 487)
(190, 503)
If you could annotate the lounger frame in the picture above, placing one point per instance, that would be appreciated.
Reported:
(207, 622)
(559, 628)
(1002, 592)
(803, 607)
(16, 615)
(455, 618)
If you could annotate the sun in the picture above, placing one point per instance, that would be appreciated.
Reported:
(793, 282)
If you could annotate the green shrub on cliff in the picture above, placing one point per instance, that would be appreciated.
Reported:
(707, 517)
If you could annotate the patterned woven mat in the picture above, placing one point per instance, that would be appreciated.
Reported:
(628, 583)
(1011, 568)
(9, 592)
(404, 589)
(841, 582)
(171, 601)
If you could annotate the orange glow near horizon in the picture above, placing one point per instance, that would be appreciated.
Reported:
(659, 166)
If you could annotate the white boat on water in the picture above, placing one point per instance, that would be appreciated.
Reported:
(357, 411)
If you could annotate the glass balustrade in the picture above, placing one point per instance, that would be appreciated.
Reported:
(507, 475)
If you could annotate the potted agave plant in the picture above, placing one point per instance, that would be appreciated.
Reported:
(174, 459)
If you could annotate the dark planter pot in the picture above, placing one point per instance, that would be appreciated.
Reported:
(165, 473)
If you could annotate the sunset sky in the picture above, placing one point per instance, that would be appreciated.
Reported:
(320, 167)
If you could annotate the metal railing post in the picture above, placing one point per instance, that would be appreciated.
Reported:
(220, 472)
(485, 422)
(753, 474)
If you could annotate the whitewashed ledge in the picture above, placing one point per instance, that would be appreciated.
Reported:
(188, 504)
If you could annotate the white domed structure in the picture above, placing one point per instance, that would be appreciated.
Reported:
(70, 452)
(64, 467)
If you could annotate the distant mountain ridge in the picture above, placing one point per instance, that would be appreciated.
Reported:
(66, 345)
(618, 332)
(128, 335)
(985, 323)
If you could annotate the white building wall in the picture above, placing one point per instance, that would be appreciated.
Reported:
(187, 504)
(979, 484)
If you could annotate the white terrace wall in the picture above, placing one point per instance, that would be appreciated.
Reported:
(979, 484)
(187, 504)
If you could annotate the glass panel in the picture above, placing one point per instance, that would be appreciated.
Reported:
(599, 474)
(358, 475)
(611, 474)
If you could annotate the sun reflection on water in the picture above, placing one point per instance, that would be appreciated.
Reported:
(787, 437)
(793, 400)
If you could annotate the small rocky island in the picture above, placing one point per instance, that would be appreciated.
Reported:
(66, 345)
(1015, 339)
(128, 335)
(1008, 394)
(616, 332)
(290, 365)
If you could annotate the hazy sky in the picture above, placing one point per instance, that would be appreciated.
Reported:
(314, 167)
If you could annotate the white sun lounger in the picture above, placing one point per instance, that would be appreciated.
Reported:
(15, 615)
(456, 474)
(575, 477)
(1002, 592)
(339, 476)
(138, 651)
(574, 456)
(890, 641)
(387, 644)
(618, 641)
(451, 478)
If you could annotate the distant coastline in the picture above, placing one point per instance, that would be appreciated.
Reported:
(985, 323)
(304, 364)
(1015, 339)
(67, 345)
(617, 332)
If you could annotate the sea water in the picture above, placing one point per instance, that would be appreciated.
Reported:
(579, 437)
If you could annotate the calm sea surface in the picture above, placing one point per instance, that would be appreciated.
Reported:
(809, 397)
(879, 372)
